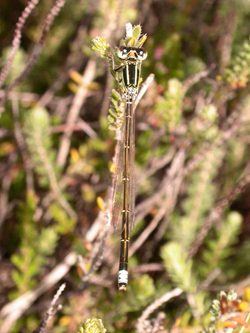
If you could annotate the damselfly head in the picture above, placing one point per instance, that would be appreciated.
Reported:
(125, 52)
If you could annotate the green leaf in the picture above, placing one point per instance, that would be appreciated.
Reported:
(47, 241)
(100, 45)
(178, 266)
(141, 41)
(170, 107)
(130, 42)
(39, 142)
(140, 292)
(64, 223)
(137, 32)
(219, 248)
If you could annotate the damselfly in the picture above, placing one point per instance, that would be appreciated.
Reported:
(123, 198)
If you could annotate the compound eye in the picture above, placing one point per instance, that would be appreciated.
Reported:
(122, 52)
(142, 54)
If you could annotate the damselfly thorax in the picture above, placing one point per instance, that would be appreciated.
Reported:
(130, 69)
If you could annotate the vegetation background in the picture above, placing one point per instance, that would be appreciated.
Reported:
(192, 164)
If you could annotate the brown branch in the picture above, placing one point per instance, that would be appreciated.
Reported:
(52, 178)
(157, 164)
(30, 98)
(146, 268)
(144, 88)
(74, 111)
(12, 311)
(142, 323)
(75, 59)
(100, 231)
(15, 309)
(195, 78)
(175, 176)
(17, 39)
(37, 49)
(216, 213)
(97, 254)
(231, 126)
(51, 311)
(79, 126)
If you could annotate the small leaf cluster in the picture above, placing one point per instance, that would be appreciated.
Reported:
(219, 248)
(178, 266)
(92, 326)
(35, 247)
(169, 106)
(228, 311)
(38, 139)
(238, 73)
(134, 36)
(116, 111)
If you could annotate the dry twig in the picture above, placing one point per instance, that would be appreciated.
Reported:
(142, 323)
(174, 179)
(216, 213)
(196, 78)
(37, 49)
(144, 88)
(74, 111)
(17, 39)
(231, 126)
(52, 179)
(75, 59)
(49, 313)
(12, 311)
